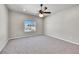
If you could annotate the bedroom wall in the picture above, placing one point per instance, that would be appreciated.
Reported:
(3, 26)
(64, 25)
(16, 26)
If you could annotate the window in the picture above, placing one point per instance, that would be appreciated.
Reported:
(29, 25)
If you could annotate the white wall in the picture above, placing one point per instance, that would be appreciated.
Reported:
(64, 25)
(3, 26)
(16, 26)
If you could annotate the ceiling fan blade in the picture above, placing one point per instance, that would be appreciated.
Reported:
(45, 8)
(47, 12)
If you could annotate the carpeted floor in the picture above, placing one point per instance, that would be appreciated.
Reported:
(40, 45)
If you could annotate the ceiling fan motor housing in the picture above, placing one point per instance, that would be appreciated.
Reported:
(40, 11)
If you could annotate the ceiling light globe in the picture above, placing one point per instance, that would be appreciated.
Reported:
(41, 15)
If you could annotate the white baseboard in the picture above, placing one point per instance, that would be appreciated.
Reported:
(62, 39)
(3, 44)
(25, 36)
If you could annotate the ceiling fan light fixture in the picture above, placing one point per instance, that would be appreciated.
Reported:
(41, 15)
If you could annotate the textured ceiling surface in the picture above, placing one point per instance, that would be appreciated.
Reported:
(34, 8)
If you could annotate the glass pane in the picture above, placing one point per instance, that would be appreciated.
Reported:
(29, 26)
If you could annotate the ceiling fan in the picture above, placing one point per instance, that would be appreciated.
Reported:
(43, 11)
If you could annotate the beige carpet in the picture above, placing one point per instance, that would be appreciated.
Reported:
(39, 45)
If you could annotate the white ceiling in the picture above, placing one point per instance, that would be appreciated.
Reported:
(34, 8)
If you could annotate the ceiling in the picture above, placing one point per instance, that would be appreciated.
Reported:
(34, 8)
